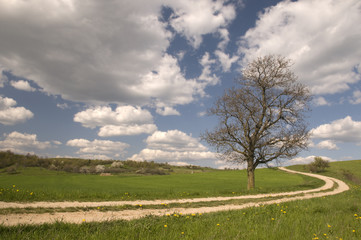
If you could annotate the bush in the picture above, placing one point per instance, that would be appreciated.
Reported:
(318, 165)
(99, 168)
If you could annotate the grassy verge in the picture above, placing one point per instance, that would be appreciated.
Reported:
(36, 184)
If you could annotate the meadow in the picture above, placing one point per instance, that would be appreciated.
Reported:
(332, 217)
(38, 184)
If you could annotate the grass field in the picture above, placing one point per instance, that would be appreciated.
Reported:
(333, 217)
(36, 184)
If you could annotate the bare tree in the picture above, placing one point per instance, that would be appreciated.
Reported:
(263, 119)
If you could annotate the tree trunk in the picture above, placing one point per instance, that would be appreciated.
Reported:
(251, 179)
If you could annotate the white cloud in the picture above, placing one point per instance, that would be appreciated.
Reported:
(124, 120)
(342, 130)
(104, 115)
(225, 60)
(327, 144)
(356, 97)
(62, 105)
(178, 163)
(194, 18)
(79, 50)
(24, 143)
(11, 115)
(98, 149)
(320, 37)
(173, 145)
(207, 77)
(321, 101)
(168, 84)
(174, 140)
(166, 111)
(3, 77)
(22, 85)
(224, 35)
(202, 114)
(129, 129)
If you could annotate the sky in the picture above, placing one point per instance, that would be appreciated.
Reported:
(133, 79)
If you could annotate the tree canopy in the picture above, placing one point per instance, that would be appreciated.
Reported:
(262, 119)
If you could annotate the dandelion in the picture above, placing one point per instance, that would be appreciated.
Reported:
(83, 220)
(218, 224)
(165, 226)
(272, 219)
(31, 193)
(354, 231)
(193, 214)
(182, 233)
(13, 186)
(355, 215)
(328, 225)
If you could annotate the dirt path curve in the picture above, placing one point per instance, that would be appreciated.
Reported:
(98, 216)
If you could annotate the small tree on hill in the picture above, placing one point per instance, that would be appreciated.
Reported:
(263, 119)
(318, 165)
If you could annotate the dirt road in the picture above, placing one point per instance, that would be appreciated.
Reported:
(98, 216)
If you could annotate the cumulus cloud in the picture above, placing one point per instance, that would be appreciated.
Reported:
(169, 85)
(194, 18)
(11, 115)
(24, 143)
(321, 101)
(3, 77)
(224, 35)
(22, 85)
(320, 37)
(124, 120)
(107, 51)
(225, 60)
(173, 145)
(207, 75)
(343, 130)
(98, 149)
(356, 97)
(327, 144)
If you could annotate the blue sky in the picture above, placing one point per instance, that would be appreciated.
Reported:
(133, 79)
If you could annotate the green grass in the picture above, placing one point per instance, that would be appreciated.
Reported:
(333, 217)
(37, 184)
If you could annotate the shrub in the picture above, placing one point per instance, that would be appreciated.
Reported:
(117, 164)
(318, 165)
(99, 168)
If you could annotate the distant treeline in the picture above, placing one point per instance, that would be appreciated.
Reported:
(11, 163)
